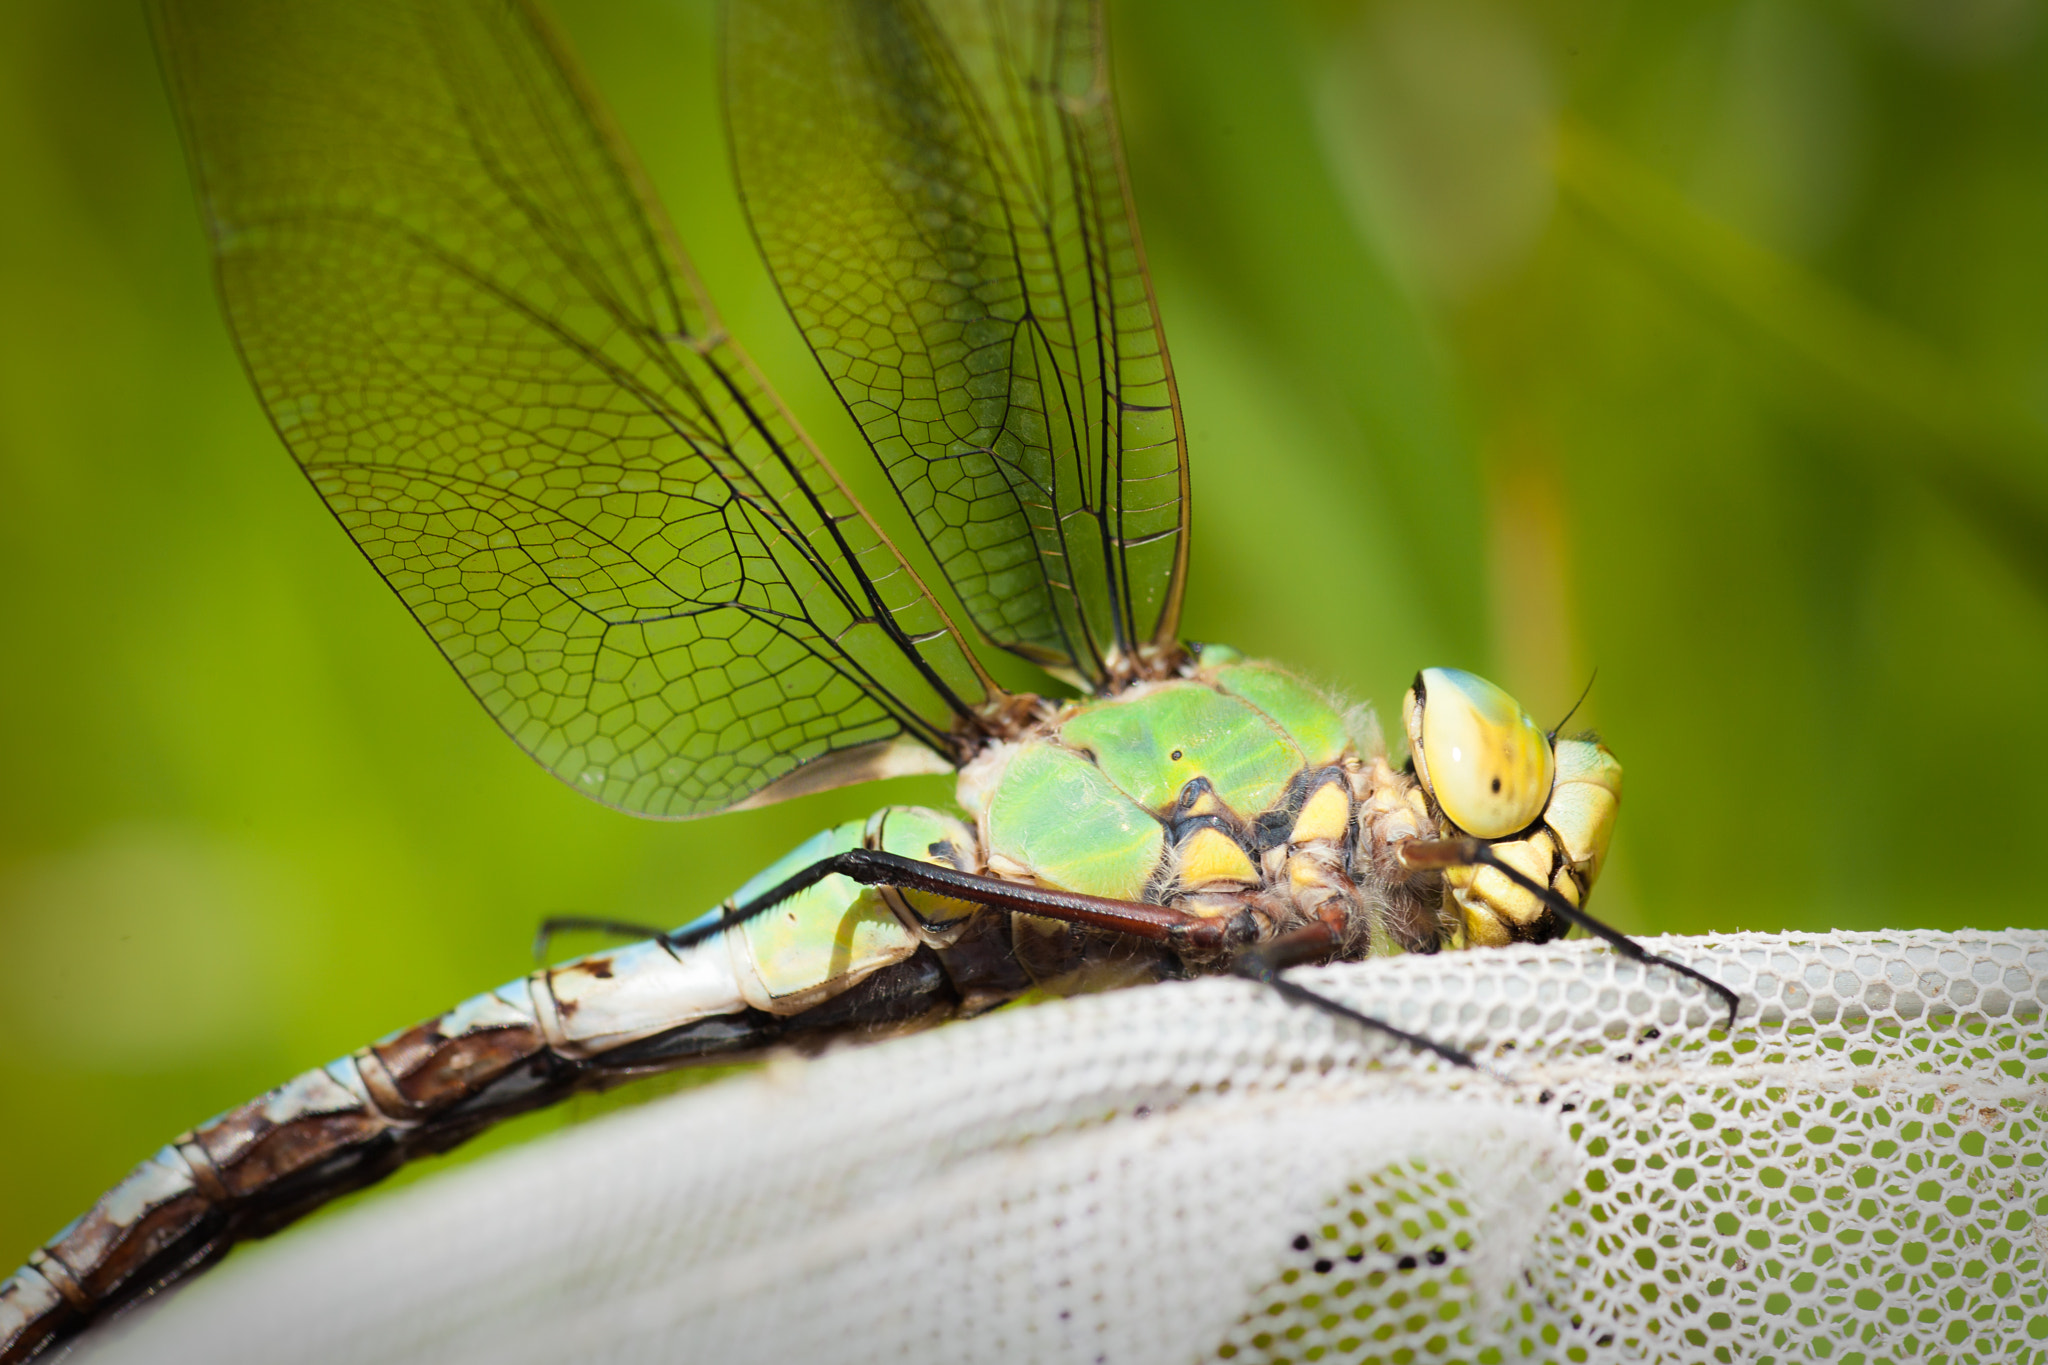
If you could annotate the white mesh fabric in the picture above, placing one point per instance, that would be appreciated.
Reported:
(1200, 1171)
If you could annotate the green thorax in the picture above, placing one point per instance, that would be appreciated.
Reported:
(1097, 800)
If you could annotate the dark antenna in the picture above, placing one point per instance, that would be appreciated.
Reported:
(1552, 736)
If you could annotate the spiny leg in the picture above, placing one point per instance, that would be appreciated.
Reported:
(544, 937)
(1448, 853)
(1156, 923)
(1314, 942)
(874, 867)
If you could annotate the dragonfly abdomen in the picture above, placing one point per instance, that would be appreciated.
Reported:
(262, 1164)
(836, 960)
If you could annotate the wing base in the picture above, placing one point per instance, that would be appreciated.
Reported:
(899, 757)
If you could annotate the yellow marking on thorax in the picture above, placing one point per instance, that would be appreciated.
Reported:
(1209, 856)
(1326, 815)
(1304, 872)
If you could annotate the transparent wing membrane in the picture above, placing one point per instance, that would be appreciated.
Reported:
(939, 191)
(470, 324)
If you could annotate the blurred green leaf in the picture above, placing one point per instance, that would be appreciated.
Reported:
(1900, 399)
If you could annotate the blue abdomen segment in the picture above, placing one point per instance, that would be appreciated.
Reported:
(830, 937)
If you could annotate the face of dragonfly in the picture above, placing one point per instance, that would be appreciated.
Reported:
(1547, 805)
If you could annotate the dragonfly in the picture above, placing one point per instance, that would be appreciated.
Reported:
(473, 327)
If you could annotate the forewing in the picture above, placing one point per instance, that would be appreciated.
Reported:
(470, 325)
(939, 191)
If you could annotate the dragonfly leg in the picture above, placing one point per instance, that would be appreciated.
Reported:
(1195, 935)
(544, 936)
(1443, 853)
(1313, 942)
(1262, 962)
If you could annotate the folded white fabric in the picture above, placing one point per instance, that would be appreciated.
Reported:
(1201, 1171)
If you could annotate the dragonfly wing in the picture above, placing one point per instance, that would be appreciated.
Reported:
(471, 325)
(939, 191)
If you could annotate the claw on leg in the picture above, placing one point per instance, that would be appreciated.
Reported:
(1264, 962)
(1446, 853)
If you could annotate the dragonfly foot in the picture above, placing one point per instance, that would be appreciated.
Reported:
(1446, 853)
(1265, 962)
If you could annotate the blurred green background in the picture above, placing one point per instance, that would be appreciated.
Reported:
(1702, 343)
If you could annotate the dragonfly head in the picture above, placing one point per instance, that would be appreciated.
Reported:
(1546, 805)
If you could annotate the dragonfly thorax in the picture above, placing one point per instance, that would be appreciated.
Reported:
(1238, 789)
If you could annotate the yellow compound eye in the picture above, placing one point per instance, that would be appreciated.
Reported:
(1487, 763)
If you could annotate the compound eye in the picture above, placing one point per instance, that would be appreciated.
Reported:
(1488, 764)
